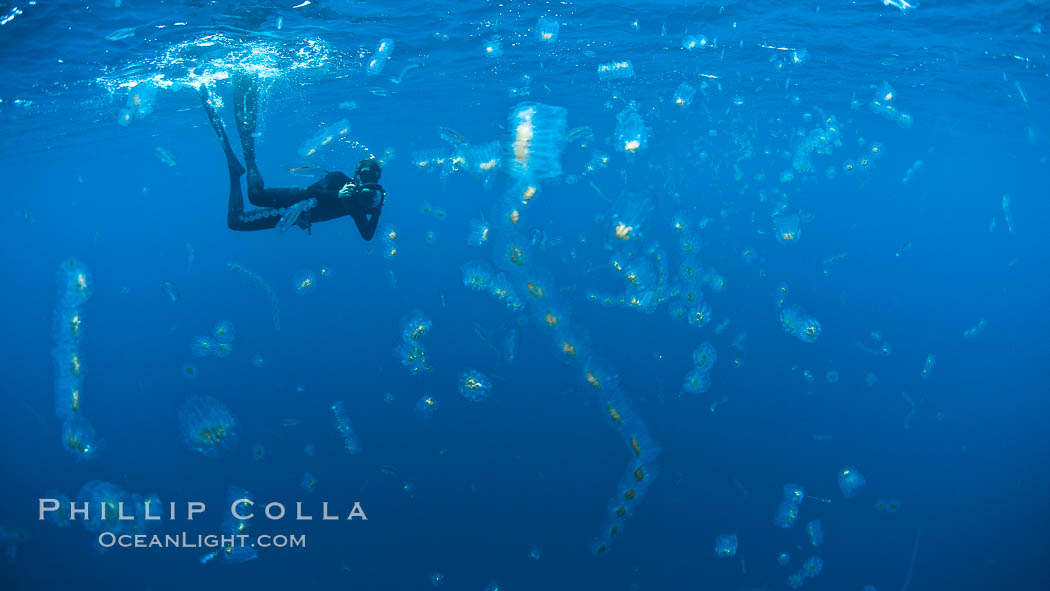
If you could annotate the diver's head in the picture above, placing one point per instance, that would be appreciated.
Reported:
(368, 171)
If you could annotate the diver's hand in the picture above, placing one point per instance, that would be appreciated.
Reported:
(347, 190)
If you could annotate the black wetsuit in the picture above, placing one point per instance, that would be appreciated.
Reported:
(364, 202)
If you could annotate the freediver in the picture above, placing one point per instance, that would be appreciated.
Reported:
(334, 196)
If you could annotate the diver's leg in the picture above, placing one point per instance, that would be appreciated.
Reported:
(235, 217)
(277, 197)
(246, 111)
(235, 205)
(237, 220)
(232, 163)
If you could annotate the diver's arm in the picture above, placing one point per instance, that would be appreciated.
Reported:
(366, 226)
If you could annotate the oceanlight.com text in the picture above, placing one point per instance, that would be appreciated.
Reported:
(211, 541)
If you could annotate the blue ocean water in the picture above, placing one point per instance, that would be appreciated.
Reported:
(909, 145)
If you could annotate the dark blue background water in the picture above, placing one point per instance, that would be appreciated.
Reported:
(536, 463)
